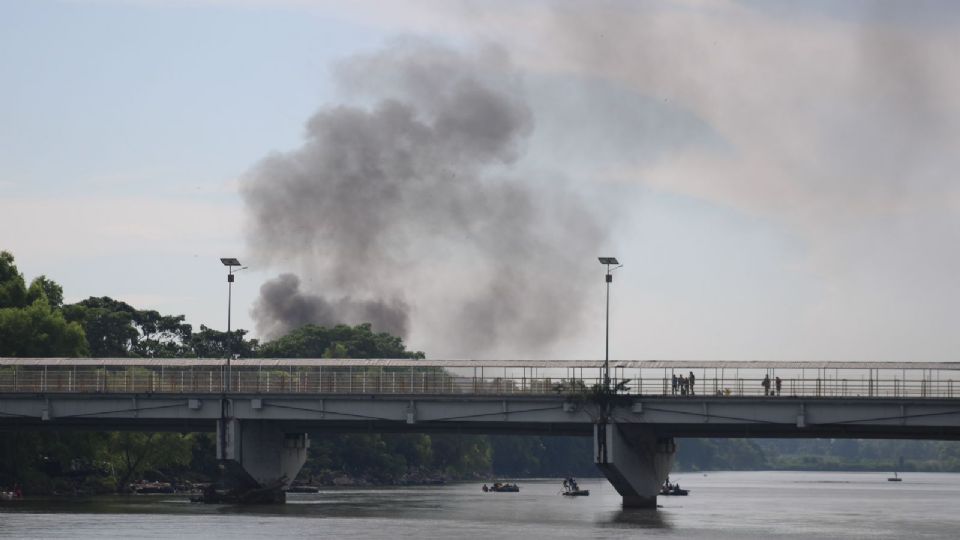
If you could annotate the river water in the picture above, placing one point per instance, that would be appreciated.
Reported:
(722, 505)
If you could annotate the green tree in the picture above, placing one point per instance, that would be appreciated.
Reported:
(210, 343)
(164, 336)
(459, 456)
(341, 341)
(38, 331)
(41, 286)
(108, 324)
(117, 329)
(719, 454)
(132, 454)
(13, 290)
(516, 456)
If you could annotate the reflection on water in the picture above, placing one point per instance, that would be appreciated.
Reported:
(755, 505)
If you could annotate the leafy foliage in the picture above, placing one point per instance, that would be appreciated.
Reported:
(116, 329)
(460, 455)
(719, 454)
(30, 323)
(132, 454)
(42, 287)
(37, 330)
(341, 341)
(210, 343)
(535, 456)
(13, 291)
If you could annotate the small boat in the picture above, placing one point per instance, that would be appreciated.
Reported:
(673, 489)
(504, 488)
(571, 489)
(895, 478)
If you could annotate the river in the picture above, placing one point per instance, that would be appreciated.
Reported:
(721, 505)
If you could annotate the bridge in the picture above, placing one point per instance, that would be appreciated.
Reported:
(262, 409)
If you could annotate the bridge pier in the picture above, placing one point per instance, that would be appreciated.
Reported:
(261, 460)
(634, 460)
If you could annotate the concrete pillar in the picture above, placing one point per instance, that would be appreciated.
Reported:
(271, 457)
(634, 460)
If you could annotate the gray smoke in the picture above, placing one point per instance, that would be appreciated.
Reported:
(283, 307)
(409, 206)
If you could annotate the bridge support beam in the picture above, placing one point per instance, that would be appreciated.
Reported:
(634, 460)
(260, 459)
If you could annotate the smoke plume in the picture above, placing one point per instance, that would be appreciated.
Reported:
(406, 206)
(284, 307)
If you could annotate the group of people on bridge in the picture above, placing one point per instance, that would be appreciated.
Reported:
(685, 385)
(777, 383)
(682, 384)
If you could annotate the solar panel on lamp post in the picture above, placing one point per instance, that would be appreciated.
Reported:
(609, 261)
(230, 263)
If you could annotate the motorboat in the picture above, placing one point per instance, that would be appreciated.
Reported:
(895, 478)
(571, 489)
(669, 488)
(500, 487)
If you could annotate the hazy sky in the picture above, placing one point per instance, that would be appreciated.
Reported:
(777, 177)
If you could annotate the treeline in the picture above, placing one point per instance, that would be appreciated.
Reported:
(818, 455)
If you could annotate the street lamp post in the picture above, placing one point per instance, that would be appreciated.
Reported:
(609, 261)
(230, 263)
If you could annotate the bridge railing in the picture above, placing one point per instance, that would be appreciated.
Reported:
(81, 378)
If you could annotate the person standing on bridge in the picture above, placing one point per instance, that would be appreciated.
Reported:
(673, 384)
(779, 383)
(692, 379)
(766, 384)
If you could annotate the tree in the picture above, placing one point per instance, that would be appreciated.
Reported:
(719, 454)
(460, 455)
(51, 290)
(516, 456)
(13, 291)
(37, 331)
(161, 335)
(341, 341)
(108, 324)
(117, 329)
(210, 343)
(132, 454)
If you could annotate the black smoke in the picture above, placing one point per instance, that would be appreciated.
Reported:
(408, 210)
(283, 307)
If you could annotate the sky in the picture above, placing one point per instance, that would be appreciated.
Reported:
(777, 178)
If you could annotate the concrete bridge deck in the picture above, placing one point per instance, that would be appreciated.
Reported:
(469, 377)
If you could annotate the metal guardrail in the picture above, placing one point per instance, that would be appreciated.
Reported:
(424, 379)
